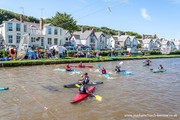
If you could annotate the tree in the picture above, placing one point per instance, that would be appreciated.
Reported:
(63, 20)
(139, 45)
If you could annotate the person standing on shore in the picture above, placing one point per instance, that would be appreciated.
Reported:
(37, 52)
(53, 52)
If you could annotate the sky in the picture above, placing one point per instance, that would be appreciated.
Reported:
(160, 17)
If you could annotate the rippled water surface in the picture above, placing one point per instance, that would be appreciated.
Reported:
(36, 87)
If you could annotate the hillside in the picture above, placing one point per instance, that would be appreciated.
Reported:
(7, 15)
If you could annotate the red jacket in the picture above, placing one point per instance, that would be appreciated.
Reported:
(68, 68)
(37, 51)
(104, 71)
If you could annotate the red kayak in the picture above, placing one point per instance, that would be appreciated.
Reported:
(82, 66)
(80, 97)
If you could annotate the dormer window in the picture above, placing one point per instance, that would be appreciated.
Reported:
(49, 31)
(55, 31)
(18, 27)
(10, 27)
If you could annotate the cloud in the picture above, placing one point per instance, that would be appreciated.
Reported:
(144, 14)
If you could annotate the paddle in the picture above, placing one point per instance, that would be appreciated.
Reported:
(120, 63)
(99, 98)
(99, 65)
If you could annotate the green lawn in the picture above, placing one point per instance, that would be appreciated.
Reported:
(71, 59)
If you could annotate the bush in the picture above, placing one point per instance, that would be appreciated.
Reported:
(152, 52)
(4, 53)
(175, 52)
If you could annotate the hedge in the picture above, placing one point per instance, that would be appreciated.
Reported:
(175, 52)
(4, 53)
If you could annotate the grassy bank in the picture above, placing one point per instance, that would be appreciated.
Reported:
(14, 63)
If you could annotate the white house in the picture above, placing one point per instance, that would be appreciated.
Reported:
(147, 44)
(156, 44)
(122, 41)
(101, 40)
(85, 38)
(39, 35)
(177, 44)
(110, 42)
(134, 42)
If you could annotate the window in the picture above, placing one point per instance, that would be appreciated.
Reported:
(33, 39)
(42, 41)
(49, 31)
(10, 27)
(18, 38)
(55, 31)
(18, 27)
(10, 39)
(55, 41)
(25, 28)
(49, 41)
(60, 42)
(60, 32)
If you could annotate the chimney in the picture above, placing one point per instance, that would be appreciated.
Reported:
(94, 29)
(154, 35)
(143, 36)
(83, 29)
(119, 33)
(21, 18)
(41, 23)
(126, 33)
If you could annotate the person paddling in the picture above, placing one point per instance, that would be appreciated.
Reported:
(85, 78)
(160, 67)
(83, 89)
(80, 64)
(103, 70)
(117, 69)
(68, 68)
(147, 62)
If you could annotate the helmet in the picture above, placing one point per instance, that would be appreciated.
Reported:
(82, 75)
(86, 74)
(102, 67)
(67, 65)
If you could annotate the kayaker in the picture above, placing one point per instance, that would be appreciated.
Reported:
(85, 79)
(68, 68)
(103, 70)
(80, 64)
(117, 69)
(147, 62)
(160, 67)
(83, 89)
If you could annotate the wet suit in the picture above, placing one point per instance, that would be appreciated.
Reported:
(83, 89)
(117, 70)
(85, 80)
(160, 68)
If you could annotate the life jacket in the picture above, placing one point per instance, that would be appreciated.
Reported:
(117, 70)
(85, 80)
(68, 68)
(104, 71)
(82, 89)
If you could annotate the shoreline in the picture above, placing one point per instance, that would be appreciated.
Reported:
(17, 63)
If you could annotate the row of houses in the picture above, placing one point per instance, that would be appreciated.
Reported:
(47, 35)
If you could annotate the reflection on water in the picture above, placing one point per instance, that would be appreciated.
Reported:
(141, 93)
